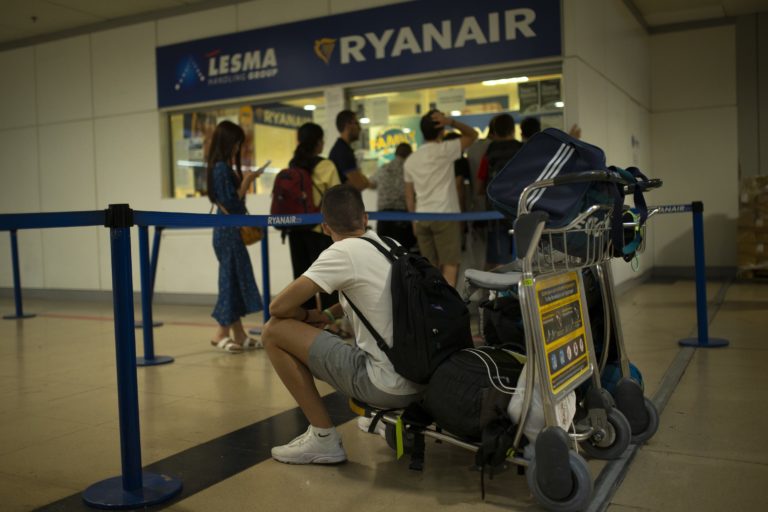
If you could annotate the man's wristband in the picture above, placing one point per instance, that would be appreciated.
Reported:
(327, 312)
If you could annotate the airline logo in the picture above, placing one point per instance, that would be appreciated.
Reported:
(227, 68)
(324, 49)
(393, 42)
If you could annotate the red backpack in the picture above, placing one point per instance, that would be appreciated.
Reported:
(292, 194)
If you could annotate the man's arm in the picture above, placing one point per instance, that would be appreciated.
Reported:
(288, 303)
(468, 134)
(357, 179)
(410, 197)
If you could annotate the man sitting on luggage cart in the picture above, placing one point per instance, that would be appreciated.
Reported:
(300, 349)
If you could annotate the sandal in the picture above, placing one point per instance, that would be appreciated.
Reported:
(227, 344)
(251, 344)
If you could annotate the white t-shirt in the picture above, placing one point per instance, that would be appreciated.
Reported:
(358, 269)
(430, 169)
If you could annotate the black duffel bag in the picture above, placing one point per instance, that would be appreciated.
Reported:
(471, 388)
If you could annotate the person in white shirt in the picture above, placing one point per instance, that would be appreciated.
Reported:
(430, 187)
(299, 349)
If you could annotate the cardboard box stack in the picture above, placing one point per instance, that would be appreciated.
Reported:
(753, 227)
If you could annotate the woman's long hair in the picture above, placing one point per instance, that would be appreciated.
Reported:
(305, 156)
(226, 139)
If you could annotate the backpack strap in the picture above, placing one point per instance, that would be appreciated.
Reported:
(391, 257)
(388, 253)
(379, 340)
(638, 181)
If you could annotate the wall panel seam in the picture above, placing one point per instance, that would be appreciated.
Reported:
(607, 79)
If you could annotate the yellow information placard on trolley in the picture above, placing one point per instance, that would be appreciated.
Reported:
(561, 319)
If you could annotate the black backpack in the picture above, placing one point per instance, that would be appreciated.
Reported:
(430, 319)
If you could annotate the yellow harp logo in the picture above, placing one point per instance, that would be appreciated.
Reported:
(324, 48)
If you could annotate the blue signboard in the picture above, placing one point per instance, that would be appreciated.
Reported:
(397, 40)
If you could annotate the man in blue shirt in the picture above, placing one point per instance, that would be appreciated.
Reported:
(342, 155)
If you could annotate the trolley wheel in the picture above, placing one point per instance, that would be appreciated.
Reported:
(581, 491)
(653, 424)
(610, 443)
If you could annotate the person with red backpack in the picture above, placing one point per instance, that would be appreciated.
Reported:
(306, 171)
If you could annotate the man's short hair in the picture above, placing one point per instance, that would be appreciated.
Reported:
(428, 128)
(503, 125)
(530, 126)
(343, 209)
(343, 118)
(403, 150)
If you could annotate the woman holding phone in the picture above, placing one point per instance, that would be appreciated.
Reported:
(238, 292)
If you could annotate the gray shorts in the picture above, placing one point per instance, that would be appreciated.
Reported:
(342, 365)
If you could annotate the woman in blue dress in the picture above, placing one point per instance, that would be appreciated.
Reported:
(238, 293)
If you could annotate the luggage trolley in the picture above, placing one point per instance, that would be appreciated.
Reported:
(548, 282)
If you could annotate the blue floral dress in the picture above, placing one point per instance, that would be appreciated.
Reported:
(238, 293)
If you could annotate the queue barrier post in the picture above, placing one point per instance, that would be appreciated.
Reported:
(149, 358)
(16, 281)
(134, 488)
(702, 318)
(153, 263)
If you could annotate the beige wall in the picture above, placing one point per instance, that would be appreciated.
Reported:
(695, 141)
(79, 128)
(606, 75)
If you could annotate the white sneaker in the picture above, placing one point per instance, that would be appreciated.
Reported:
(311, 448)
(364, 424)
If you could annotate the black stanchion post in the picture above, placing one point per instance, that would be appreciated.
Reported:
(16, 280)
(134, 488)
(149, 359)
(702, 318)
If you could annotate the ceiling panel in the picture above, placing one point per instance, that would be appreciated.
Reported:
(52, 16)
(36, 17)
(664, 12)
(113, 9)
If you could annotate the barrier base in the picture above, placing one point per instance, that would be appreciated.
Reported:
(109, 493)
(255, 330)
(17, 317)
(710, 343)
(155, 323)
(142, 361)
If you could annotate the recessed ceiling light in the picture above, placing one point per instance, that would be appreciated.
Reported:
(502, 81)
(310, 107)
(364, 120)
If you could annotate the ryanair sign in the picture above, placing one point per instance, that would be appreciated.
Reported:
(397, 40)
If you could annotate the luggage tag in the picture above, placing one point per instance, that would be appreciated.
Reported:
(399, 437)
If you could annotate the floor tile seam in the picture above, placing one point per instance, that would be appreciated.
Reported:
(614, 472)
(35, 415)
(57, 485)
(94, 318)
(699, 456)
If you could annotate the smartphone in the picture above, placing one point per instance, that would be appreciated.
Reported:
(263, 167)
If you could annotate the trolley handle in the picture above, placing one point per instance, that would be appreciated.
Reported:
(585, 177)
(581, 177)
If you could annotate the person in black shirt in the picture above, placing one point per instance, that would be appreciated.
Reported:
(342, 155)
(499, 248)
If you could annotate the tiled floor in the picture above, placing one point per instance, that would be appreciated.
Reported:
(59, 422)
